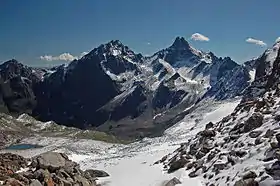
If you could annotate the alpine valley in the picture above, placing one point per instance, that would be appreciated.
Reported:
(178, 117)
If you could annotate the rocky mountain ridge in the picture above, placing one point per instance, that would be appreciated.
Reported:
(115, 90)
(243, 148)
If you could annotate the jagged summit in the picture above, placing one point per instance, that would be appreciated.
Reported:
(12, 62)
(180, 43)
(115, 42)
(115, 48)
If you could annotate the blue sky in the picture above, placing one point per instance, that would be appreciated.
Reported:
(32, 28)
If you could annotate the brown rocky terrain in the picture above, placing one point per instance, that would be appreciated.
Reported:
(47, 169)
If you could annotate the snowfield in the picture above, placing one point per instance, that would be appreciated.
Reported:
(133, 164)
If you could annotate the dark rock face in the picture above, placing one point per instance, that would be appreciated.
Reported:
(72, 96)
(165, 96)
(230, 84)
(115, 57)
(126, 105)
(16, 88)
(118, 65)
(267, 75)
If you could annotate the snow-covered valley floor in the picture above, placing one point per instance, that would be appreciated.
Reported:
(133, 164)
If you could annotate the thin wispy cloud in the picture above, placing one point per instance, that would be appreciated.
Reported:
(199, 37)
(256, 41)
(62, 57)
(277, 40)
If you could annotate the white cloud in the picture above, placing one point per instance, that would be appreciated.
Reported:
(199, 37)
(255, 41)
(148, 43)
(277, 40)
(62, 57)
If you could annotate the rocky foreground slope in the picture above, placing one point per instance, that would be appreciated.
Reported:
(49, 169)
(243, 148)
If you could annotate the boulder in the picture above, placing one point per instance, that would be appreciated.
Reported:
(219, 166)
(247, 182)
(163, 159)
(173, 182)
(51, 161)
(258, 140)
(35, 183)
(177, 164)
(250, 174)
(274, 145)
(193, 174)
(277, 117)
(269, 133)
(237, 128)
(62, 173)
(255, 121)
(277, 154)
(211, 155)
(62, 181)
(274, 170)
(200, 154)
(278, 138)
(193, 148)
(28, 175)
(82, 181)
(226, 119)
(207, 133)
(49, 182)
(189, 165)
(41, 174)
(255, 134)
(209, 125)
(90, 173)
(239, 153)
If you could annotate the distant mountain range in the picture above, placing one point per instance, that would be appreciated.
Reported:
(115, 90)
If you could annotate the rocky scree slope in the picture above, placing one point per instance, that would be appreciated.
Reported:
(243, 148)
(115, 90)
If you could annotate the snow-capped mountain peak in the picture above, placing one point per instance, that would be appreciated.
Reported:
(168, 81)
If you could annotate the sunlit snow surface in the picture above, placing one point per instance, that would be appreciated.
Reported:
(132, 165)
